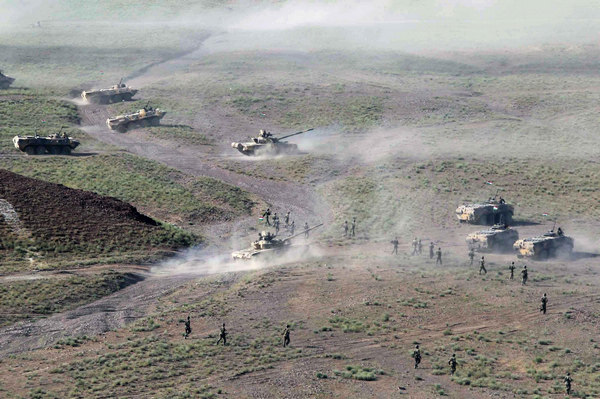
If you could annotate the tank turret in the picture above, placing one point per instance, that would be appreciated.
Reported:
(267, 144)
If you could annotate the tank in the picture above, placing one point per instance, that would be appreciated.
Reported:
(549, 245)
(57, 144)
(117, 93)
(146, 116)
(267, 144)
(491, 212)
(266, 244)
(498, 238)
(5, 81)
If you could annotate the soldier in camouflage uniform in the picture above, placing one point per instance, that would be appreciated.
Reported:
(395, 243)
(188, 327)
(417, 356)
(438, 259)
(266, 215)
(482, 266)
(471, 255)
(431, 248)
(345, 228)
(223, 335)
(415, 246)
(568, 380)
(353, 227)
(452, 362)
(420, 247)
(544, 304)
(512, 270)
(524, 275)
(286, 336)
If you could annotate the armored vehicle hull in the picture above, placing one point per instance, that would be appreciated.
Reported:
(496, 239)
(546, 246)
(487, 213)
(267, 245)
(5, 81)
(142, 118)
(267, 144)
(55, 144)
(116, 93)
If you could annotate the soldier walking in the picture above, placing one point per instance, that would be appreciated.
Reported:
(286, 219)
(188, 327)
(345, 228)
(415, 245)
(353, 227)
(544, 304)
(286, 336)
(512, 270)
(524, 274)
(471, 255)
(417, 356)
(482, 266)
(292, 228)
(395, 243)
(452, 362)
(306, 229)
(431, 248)
(266, 215)
(568, 380)
(420, 247)
(276, 223)
(438, 253)
(223, 335)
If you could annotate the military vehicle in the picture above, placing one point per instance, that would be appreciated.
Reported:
(549, 245)
(498, 238)
(491, 212)
(5, 81)
(267, 144)
(57, 144)
(114, 94)
(146, 116)
(266, 244)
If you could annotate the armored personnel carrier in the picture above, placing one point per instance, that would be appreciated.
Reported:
(5, 81)
(267, 243)
(491, 212)
(267, 144)
(499, 238)
(57, 144)
(114, 94)
(146, 116)
(549, 245)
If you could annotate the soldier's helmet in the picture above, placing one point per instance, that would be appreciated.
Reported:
(525, 267)
(288, 326)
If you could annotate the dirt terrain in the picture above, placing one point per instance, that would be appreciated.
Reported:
(402, 137)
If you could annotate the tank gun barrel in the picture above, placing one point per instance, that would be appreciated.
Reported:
(294, 134)
(299, 234)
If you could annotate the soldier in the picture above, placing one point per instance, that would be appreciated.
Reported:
(471, 255)
(438, 253)
(524, 274)
(512, 270)
(223, 335)
(417, 356)
(286, 336)
(266, 215)
(306, 229)
(286, 219)
(568, 380)
(353, 227)
(292, 228)
(431, 247)
(345, 228)
(188, 327)
(276, 223)
(415, 245)
(395, 243)
(452, 362)
(482, 266)
(420, 247)
(544, 304)
(560, 232)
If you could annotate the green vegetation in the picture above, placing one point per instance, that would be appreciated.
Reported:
(361, 373)
(27, 299)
